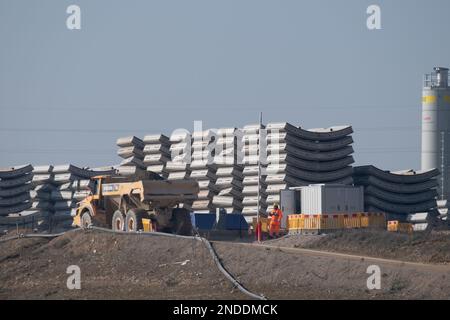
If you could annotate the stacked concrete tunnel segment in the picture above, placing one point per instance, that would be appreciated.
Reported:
(47, 194)
(225, 162)
(397, 193)
(15, 186)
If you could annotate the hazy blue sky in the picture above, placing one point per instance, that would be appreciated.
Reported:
(140, 67)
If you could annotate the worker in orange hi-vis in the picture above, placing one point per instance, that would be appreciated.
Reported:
(275, 221)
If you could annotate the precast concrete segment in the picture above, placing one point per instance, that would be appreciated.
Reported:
(133, 161)
(155, 159)
(7, 202)
(156, 139)
(11, 192)
(42, 169)
(318, 134)
(308, 155)
(312, 145)
(399, 208)
(25, 217)
(4, 211)
(16, 181)
(157, 149)
(81, 172)
(130, 141)
(15, 172)
(42, 178)
(319, 177)
(292, 181)
(395, 187)
(126, 152)
(320, 166)
(401, 198)
(403, 177)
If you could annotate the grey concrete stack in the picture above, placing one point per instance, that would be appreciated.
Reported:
(42, 204)
(229, 171)
(178, 167)
(442, 208)
(131, 149)
(15, 187)
(157, 153)
(72, 184)
(203, 169)
(398, 194)
(298, 157)
(251, 158)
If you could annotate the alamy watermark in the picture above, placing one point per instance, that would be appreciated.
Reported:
(74, 280)
(374, 280)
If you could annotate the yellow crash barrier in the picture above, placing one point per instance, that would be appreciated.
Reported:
(302, 223)
(397, 226)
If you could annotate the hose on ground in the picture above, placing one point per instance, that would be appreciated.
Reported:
(206, 243)
(36, 235)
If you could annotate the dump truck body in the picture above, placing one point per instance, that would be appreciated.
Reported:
(121, 204)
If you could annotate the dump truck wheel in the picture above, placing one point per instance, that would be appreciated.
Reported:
(118, 221)
(133, 220)
(86, 220)
(182, 224)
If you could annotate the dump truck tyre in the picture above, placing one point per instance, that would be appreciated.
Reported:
(133, 220)
(182, 224)
(86, 220)
(118, 221)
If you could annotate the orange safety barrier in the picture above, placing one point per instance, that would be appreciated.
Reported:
(397, 226)
(306, 222)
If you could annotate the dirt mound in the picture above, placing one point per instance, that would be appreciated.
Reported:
(281, 273)
(113, 266)
(125, 266)
(431, 247)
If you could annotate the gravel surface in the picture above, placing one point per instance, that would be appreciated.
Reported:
(120, 266)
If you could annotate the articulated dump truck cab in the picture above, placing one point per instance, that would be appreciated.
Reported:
(122, 204)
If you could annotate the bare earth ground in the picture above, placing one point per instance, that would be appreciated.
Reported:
(117, 266)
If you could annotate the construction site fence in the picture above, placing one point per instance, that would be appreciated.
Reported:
(304, 223)
(397, 226)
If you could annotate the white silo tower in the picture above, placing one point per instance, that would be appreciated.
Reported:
(436, 127)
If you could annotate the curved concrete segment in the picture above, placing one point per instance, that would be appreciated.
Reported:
(82, 172)
(317, 134)
(156, 139)
(320, 177)
(308, 155)
(132, 151)
(321, 146)
(155, 159)
(43, 169)
(11, 192)
(401, 198)
(25, 217)
(395, 187)
(8, 202)
(16, 182)
(130, 141)
(295, 182)
(407, 176)
(15, 172)
(399, 208)
(157, 148)
(4, 211)
(319, 166)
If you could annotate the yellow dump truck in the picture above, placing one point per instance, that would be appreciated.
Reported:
(127, 203)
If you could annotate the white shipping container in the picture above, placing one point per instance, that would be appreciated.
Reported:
(332, 199)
